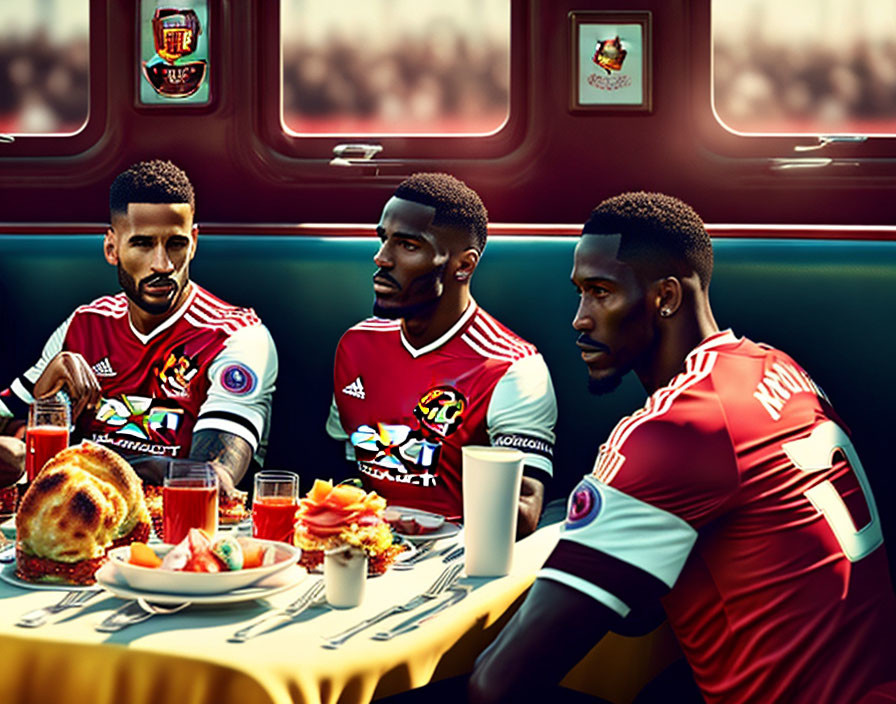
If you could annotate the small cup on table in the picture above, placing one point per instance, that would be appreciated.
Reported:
(491, 483)
(345, 576)
(45, 434)
(189, 499)
(274, 505)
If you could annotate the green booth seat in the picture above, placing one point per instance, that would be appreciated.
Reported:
(829, 303)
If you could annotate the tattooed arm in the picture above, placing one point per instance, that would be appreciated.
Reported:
(228, 453)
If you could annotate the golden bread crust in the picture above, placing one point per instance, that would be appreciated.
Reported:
(68, 515)
(83, 500)
(108, 466)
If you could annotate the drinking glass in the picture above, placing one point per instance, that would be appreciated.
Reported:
(491, 479)
(345, 576)
(274, 505)
(189, 499)
(46, 433)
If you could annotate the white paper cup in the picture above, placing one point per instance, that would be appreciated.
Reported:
(491, 486)
(345, 576)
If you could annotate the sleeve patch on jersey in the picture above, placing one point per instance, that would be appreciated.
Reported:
(584, 505)
(526, 443)
(238, 379)
(630, 530)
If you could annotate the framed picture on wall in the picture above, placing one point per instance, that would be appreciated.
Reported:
(173, 45)
(611, 61)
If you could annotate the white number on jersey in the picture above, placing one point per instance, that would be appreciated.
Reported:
(815, 454)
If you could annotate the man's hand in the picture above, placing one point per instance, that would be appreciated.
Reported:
(12, 460)
(226, 487)
(531, 499)
(70, 370)
(229, 454)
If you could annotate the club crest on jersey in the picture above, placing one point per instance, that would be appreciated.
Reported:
(176, 372)
(584, 504)
(441, 410)
(397, 452)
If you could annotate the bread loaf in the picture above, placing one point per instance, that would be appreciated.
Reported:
(84, 501)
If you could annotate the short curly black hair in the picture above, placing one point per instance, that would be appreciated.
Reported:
(662, 232)
(155, 181)
(456, 204)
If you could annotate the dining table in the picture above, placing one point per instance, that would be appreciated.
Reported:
(187, 658)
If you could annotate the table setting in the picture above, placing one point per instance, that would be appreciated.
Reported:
(352, 616)
(328, 596)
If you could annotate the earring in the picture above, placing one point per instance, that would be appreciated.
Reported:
(462, 275)
(665, 312)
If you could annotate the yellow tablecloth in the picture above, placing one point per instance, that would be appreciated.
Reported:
(185, 658)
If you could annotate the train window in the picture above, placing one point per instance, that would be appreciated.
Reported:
(44, 54)
(389, 67)
(805, 67)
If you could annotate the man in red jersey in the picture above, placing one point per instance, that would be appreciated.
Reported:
(163, 369)
(432, 371)
(734, 495)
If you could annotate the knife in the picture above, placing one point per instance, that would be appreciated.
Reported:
(460, 592)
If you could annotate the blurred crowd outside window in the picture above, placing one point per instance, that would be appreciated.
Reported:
(805, 66)
(395, 66)
(43, 66)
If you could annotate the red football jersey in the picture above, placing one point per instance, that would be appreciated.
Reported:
(736, 495)
(210, 365)
(407, 412)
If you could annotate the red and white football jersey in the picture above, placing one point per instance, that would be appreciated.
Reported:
(407, 412)
(736, 495)
(211, 365)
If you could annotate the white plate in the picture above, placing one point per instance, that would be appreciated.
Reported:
(8, 575)
(445, 531)
(110, 580)
(174, 582)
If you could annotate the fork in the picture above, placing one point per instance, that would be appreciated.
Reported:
(444, 581)
(70, 600)
(307, 598)
(136, 612)
(423, 550)
(459, 593)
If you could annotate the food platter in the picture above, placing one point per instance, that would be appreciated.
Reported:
(198, 583)
(446, 530)
(8, 575)
(109, 579)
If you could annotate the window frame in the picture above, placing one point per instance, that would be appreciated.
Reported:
(405, 147)
(94, 128)
(792, 153)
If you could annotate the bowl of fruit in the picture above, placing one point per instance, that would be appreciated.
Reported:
(202, 564)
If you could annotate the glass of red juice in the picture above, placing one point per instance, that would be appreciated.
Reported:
(274, 505)
(189, 499)
(46, 433)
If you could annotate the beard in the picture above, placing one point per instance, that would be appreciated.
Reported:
(132, 291)
(431, 282)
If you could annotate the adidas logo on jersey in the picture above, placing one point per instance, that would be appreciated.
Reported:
(103, 368)
(356, 389)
